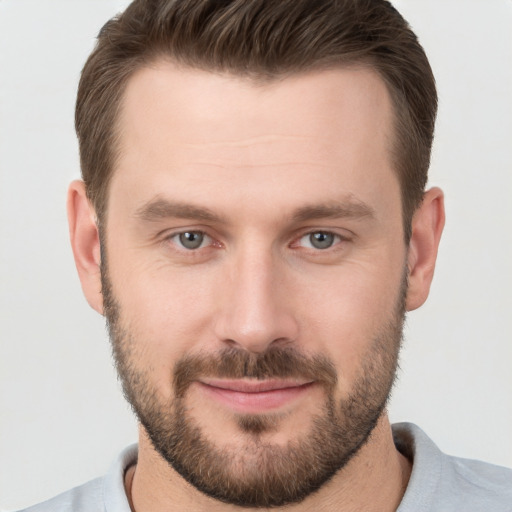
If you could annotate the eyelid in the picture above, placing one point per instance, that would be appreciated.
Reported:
(336, 240)
(206, 240)
(173, 234)
(339, 237)
(172, 237)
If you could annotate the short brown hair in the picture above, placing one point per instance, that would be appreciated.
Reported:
(259, 39)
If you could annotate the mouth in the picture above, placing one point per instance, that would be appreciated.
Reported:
(254, 396)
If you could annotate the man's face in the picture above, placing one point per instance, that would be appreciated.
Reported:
(253, 273)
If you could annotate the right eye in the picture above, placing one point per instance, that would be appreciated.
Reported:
(319, 240)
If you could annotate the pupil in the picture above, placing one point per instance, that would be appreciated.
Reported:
(191, 239)
(321, 240)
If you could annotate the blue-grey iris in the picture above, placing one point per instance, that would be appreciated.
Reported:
(191, 239)
(321, 240)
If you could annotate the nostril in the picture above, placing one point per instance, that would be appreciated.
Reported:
(258, 346)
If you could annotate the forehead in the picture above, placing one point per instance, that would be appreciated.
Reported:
(181, 126)
(199, 100)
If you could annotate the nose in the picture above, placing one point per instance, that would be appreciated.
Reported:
(255, 310)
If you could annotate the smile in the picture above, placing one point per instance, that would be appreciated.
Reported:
(251, 396)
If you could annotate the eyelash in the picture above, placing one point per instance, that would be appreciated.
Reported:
(175, 238)
(337, 239)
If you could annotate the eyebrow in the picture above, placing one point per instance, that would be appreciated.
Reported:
(159, 209)
(348, 209)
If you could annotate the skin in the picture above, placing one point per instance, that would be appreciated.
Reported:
(255, 156)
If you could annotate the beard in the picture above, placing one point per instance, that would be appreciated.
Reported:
(261, 474)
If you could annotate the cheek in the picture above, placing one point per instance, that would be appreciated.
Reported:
(347, 315)
(166, 313)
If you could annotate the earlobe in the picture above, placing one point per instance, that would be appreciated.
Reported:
(427, 227)
(85, 242)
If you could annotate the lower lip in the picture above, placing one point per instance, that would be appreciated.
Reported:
(254, 403)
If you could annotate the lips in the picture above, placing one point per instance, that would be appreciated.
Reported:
(254, 396)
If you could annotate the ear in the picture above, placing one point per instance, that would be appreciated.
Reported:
(427, 226)
(85, 242)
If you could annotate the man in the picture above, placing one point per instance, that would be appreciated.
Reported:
(253, 224)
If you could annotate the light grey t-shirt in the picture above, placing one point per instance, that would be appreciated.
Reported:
(438, 483)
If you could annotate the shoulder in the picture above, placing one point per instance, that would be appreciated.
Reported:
(105, 494)
(440, 482)
(85, 497)
(486, 484)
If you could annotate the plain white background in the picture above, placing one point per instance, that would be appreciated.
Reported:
(62, 416)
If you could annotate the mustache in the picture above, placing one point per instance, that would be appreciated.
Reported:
(233, 363)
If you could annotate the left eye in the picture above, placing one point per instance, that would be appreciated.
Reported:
(319, 240)
(191, 239)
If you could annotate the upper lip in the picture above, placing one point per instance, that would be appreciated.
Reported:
(254, 386)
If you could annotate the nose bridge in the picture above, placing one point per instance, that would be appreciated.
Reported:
(255, 310)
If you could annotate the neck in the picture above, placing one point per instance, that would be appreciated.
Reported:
(374, 480)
